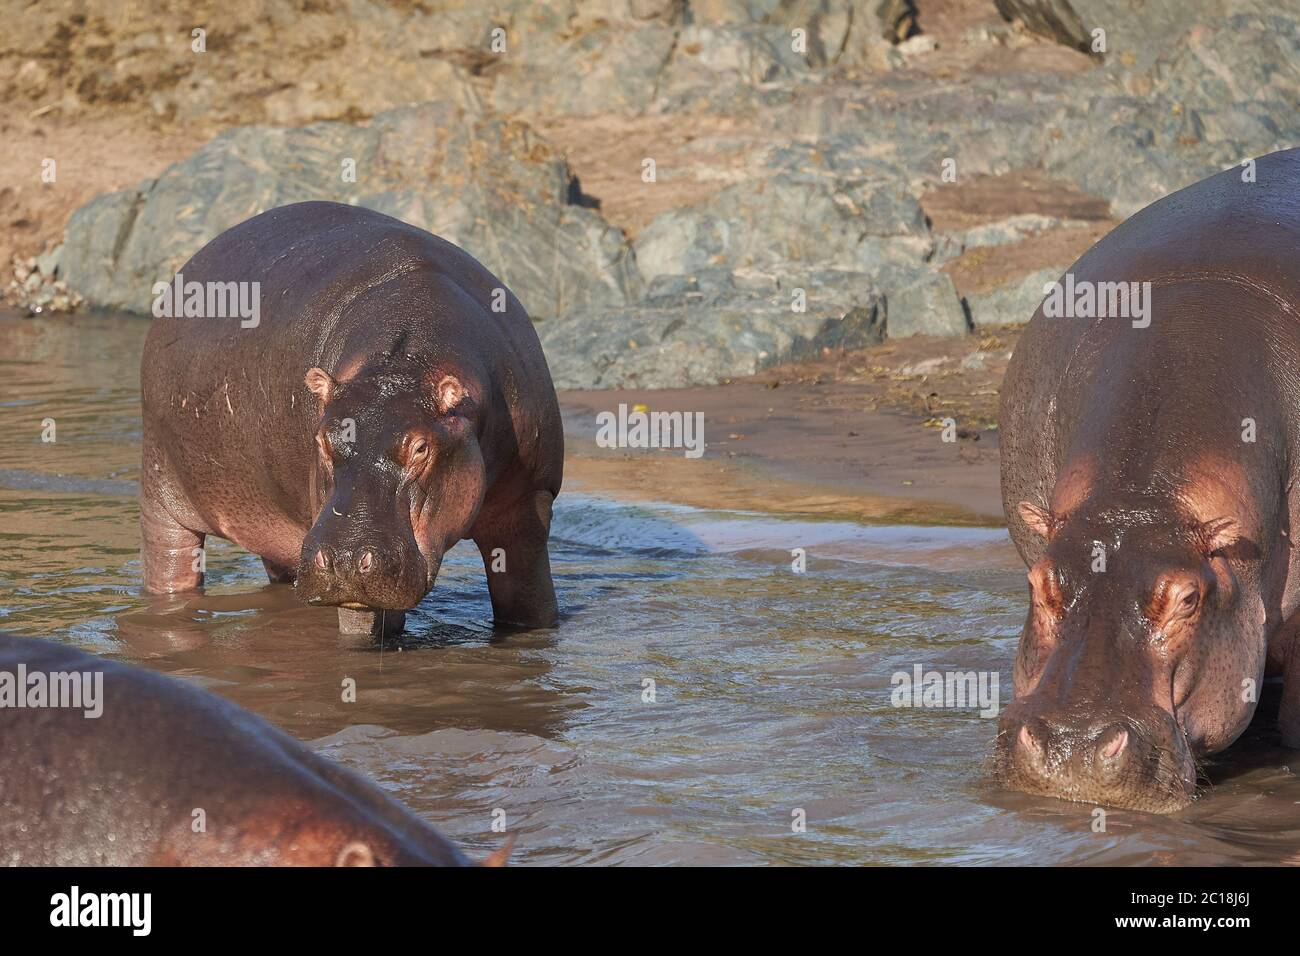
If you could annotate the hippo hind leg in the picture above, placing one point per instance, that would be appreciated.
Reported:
(513, 544)
(170, 554)
(171, 549)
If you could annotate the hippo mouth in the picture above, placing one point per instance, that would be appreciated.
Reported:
(400, 591)
(1151, 790)
(1127, 769)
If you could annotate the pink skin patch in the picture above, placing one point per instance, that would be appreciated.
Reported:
(1073, 486)
(1216, 487)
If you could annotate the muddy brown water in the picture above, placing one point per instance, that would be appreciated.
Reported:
(772, 690)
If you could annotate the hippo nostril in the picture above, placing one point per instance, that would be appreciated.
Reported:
(1113, 743)
(366, 562)
(322, 560)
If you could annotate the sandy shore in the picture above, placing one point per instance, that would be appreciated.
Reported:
(855, 435)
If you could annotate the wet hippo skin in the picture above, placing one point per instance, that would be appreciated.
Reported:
(389, 399)
(1149, 470)
(123, 788)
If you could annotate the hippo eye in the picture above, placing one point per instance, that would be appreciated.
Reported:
(419, 448)
(1182, 603)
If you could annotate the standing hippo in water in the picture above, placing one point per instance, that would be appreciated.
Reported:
(386, 398)
(117, 779)
(1149, 474)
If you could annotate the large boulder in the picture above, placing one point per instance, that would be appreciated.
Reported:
(928, 306)
(809, 207)
(1135, 150)
(489, 185)
(712, 326)
(1013, 302)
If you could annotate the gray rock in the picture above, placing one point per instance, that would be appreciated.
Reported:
(1127, 135)
(47, 263)
(711, 327)
(1263, 76)
(1137, 150)
(807, 212)
(1012, 303)
(605, 70)
(929, 306)
(713, 56)
(1134, 31)
(491, 186)
(950, 245)
(855, 32)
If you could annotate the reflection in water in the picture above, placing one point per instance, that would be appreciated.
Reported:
(772, 689)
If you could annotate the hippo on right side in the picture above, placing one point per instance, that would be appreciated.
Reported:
(1150, 431)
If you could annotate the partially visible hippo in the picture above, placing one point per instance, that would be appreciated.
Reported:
(384, 397)
(1150, 456)
(168, 774)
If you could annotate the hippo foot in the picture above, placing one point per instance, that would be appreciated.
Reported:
(374, 623)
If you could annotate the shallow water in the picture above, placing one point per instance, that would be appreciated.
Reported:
(772, 688)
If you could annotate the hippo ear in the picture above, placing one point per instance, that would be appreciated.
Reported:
(355, 853)
(447, 394)
(320, 383)
(1039, 520)
(1217, 534)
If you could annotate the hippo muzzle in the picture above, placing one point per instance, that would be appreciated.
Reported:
(1138, 760)
(360, 568)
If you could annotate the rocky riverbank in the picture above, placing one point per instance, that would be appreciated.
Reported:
(680, 194)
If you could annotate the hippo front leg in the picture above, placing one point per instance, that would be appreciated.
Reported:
(1288, 714)
(1284, 655)
(518, 564)
(278, 573)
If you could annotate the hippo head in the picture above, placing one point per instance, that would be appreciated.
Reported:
(399, 480)
(1133, 658)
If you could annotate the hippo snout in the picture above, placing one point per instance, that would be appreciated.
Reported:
(346, 561)
(1137, 764)
(371, 574)
(1100, 754)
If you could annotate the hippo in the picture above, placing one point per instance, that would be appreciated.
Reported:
(377, 397)
(1150, 439)
(137, 769)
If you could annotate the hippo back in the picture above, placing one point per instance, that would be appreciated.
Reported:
(170, 774)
